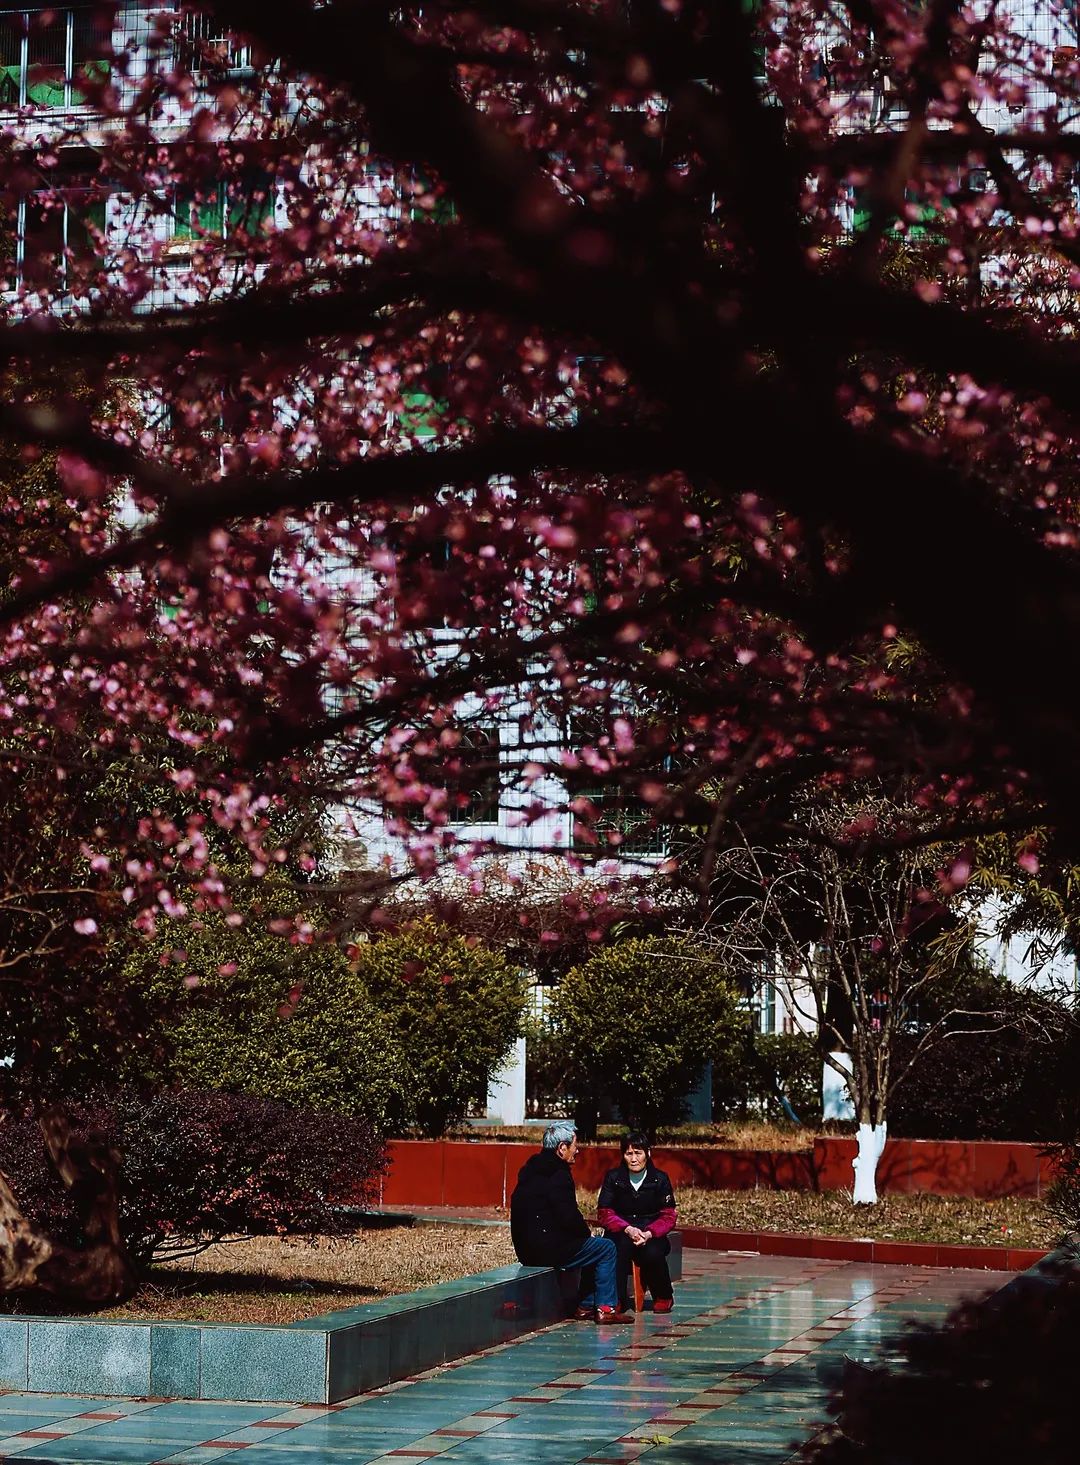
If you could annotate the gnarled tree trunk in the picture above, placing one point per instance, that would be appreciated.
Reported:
(101, 1271)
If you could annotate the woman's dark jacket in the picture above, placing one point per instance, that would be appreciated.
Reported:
(652, 1208)
(546, 1227)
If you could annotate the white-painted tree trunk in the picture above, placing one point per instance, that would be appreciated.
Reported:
(865, 1163)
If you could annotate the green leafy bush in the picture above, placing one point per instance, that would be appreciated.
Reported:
(1062, 1196)
(643, 1018)
(794, 1059)
(249, 1012)
(1008, 1071)
(201, 1166)
(749, 1078)
(454, 1007)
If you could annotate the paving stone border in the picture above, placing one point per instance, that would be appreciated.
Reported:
(320, 1360)
(854, 1249)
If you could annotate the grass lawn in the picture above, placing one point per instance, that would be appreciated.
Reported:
(281, 1280)
(959, 1220)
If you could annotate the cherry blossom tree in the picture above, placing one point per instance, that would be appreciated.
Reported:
(687, 388)
(437, 426)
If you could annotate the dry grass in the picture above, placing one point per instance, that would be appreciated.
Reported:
(281, 1280)
(751, 1135)
(941, 1219)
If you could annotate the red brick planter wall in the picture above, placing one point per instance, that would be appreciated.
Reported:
(984, 1168)
(482, 1173)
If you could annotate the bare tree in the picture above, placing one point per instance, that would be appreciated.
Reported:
(860, 945)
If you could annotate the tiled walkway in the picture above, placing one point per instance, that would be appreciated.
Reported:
(734, 1376)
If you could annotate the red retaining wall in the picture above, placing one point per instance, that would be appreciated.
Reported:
(986, 1168)
(482, 1173)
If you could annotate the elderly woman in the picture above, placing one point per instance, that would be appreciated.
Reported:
(637, 1210)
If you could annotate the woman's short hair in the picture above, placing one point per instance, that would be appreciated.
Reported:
(559, 1134)
(635, 1140)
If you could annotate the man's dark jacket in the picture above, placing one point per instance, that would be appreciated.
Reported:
(546, 1227)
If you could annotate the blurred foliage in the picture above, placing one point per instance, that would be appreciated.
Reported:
(995, 1382)
(1063, 1194)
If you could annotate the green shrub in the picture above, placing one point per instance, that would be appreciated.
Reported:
(249, 1012)
(642, 1019)
(1009, 1070)
(455, 1008)
(794, 1059)
(750, 1078)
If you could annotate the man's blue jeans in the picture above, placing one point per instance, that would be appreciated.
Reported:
(597, 1262)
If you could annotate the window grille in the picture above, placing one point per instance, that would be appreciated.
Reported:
(623, 823)
(621, 815)
(47, 55)
(539, 1004)
(205, 46)
(478, 782)
(45, 232)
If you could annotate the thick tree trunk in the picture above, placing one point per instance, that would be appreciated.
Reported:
(871, 1144)
(99, 1272)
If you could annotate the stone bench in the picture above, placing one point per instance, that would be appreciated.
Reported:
(320, 1360)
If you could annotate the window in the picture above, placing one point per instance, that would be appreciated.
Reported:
(622, 825)
(47, 233)
(46, 54)
(422, 416)
(223, 208)
(919, 230)
(204, 46)
(752, 9)
(539, 1004)
(767, 1008)
(433, 590)
(474, 795)
(436, 209)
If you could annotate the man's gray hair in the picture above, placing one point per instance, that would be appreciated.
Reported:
(559, 1134)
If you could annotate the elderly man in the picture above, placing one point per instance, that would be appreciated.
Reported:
(548, 1230)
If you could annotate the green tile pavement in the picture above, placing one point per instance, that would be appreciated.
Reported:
(737, 1374)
